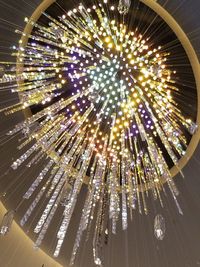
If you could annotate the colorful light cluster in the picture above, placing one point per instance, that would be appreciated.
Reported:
(105, 112)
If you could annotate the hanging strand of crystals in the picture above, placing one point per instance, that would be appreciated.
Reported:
(7, 222)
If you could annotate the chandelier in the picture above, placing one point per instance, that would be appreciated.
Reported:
(100, 110)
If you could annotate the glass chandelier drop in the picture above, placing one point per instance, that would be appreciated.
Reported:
(100, 112)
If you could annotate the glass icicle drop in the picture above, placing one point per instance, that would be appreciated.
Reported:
(193, 128)
(93, 97)
(7, 222)
(2, 71)
(98, 262)
(65, 195)
(159, 227)
(124, 6)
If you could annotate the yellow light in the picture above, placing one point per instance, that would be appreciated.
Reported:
(107, 39)
(135, 95)
(118, 48)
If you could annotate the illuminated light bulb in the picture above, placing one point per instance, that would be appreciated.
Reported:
(107, 39)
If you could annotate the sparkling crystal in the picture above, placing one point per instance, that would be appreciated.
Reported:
(124, 6)
(46, 224)
(38, 180)
(32, 207)
(83, 224)
(60, 181)
(159, 227)
(2, 71)
(93, 97)
(57, 31)
(193, 128)
(65, 194)
(97, 261)
(7, 222)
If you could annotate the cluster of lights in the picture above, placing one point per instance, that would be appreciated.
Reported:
(112, 103)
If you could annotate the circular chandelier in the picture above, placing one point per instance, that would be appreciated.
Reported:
(101, 107)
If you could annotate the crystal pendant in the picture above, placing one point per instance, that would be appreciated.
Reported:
(97, 262)
(2, 71)
(156, 70)
(124, 6)
(193, 128)
(159, 227)
(65, 195)
(7, 222)
(93, 97)
(58, 32)
(30, 129)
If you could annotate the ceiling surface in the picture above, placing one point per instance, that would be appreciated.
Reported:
(136, 247)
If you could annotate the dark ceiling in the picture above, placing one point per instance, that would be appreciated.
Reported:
(136, 247)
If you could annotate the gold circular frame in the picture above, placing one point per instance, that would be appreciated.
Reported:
(158, 9)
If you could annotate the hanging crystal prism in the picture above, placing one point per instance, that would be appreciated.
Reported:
(52, 201)
(124, 6)
(159, 227)
(46, 224)
(7, 222)
(73, 199)
(83, 224)
(192, 128)
(65, 194)
(2, 71)
(93, 97)
(99, 229)
(124, 200)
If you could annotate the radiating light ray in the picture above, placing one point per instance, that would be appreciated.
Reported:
(103, 113)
